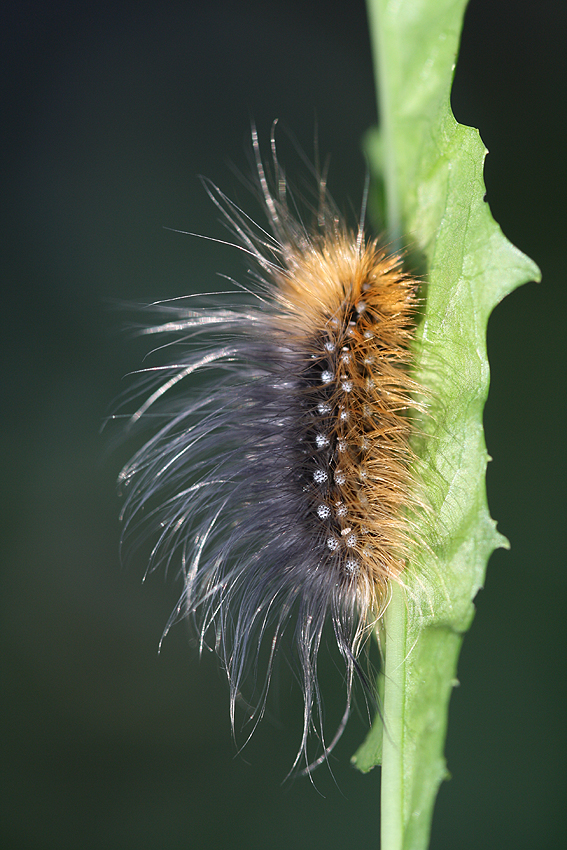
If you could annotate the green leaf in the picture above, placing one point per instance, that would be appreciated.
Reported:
(431, 170)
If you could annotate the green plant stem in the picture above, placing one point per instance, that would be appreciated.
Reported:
(392, 818)
(384, 49)
(391, 788)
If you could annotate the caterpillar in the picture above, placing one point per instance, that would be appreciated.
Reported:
(281, 478)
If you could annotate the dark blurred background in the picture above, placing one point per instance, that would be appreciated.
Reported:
(111, 110)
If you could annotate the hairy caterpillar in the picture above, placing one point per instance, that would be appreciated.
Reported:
(283, 483)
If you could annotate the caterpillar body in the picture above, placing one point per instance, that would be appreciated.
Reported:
(282, 481)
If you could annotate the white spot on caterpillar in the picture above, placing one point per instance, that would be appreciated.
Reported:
(324, 407)
(322, 440)
(346, 385)
(332, 543)
(340, 477)
(327, 376)
(323, 512)
(320, 476)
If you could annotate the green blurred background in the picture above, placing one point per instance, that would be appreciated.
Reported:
(111, 110)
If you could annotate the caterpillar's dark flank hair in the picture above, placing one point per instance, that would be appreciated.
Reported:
(282, 480)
